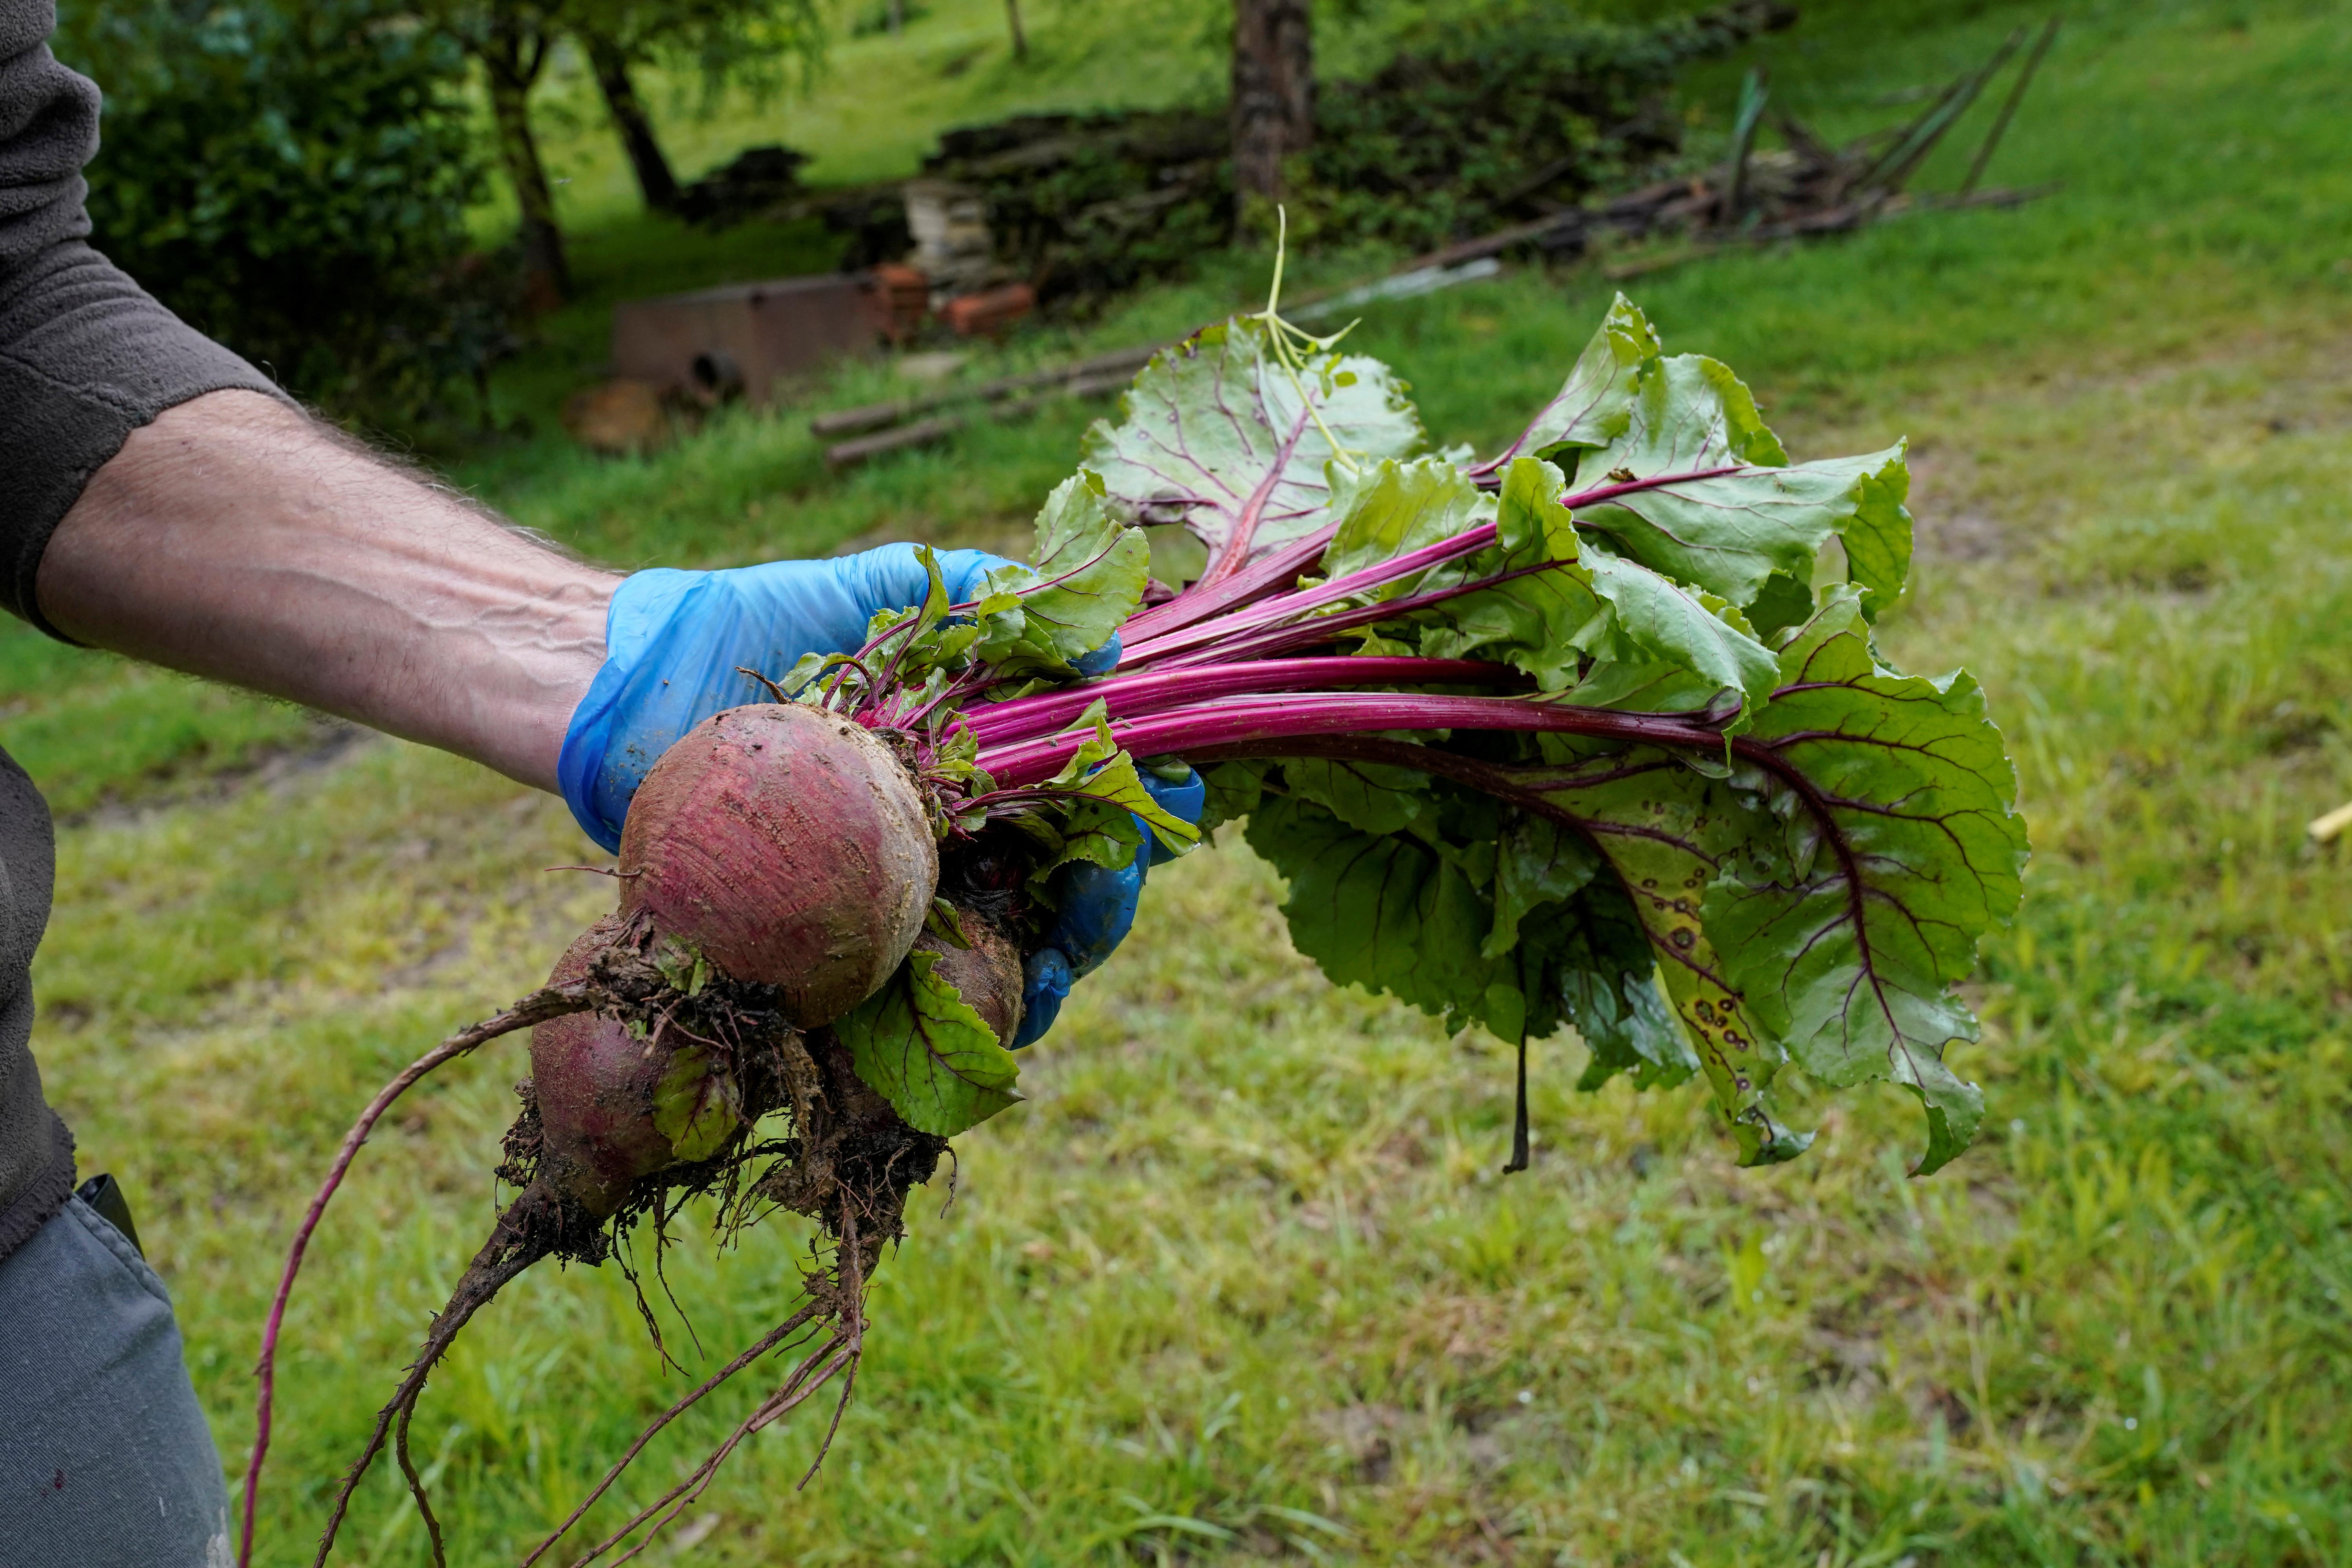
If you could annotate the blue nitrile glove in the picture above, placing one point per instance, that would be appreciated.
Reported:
(1098, 908)
(673, 641)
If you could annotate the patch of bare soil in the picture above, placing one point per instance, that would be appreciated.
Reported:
(331, 741)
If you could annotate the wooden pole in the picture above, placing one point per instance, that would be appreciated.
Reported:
(1895, 171)
(1753, 94)
(2009, 105)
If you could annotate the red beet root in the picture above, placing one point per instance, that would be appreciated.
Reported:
(593, 1081)
(987, 973)
(788, 844)
(789, 848)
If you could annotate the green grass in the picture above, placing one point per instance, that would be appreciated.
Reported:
(98, 730)
(1240, 1281)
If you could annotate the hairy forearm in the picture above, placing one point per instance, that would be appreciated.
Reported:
(235, 538)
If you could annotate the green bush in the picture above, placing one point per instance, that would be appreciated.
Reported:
(1498, 113)
(293, 178)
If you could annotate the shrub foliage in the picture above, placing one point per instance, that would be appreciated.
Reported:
(292, 177)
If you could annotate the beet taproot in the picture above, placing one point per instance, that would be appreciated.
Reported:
(777, 866)
(788, 845)
(589, 1156)
(592, 1086)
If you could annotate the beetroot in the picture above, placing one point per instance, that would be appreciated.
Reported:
(788, 845)
(592, 1083)
(987, 973)
(776, 868)
(592, 1159)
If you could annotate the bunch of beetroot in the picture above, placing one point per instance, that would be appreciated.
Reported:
(777, 866)
(1592, 733)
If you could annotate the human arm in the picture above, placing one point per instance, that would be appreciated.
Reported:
(236, 538)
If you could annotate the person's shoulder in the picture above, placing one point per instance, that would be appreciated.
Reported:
(24, 25)
(42, 102)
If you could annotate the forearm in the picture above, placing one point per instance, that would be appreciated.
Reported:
(235, 538)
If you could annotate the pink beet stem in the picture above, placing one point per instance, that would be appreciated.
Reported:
(1178, 625)
(1130, 696)
(1202, 634)
(1230, 558)
(1270, 574)
(1240, 720)
(1272, 641)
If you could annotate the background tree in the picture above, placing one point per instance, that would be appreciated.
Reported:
(610, 61)
(1273, 104)
(740, 43)
(292, 177)
(510, 39)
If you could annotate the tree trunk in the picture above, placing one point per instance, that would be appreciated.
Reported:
(1020, 39)
(629, 119)
(897, 17)
(1274, 93)
(510, 66)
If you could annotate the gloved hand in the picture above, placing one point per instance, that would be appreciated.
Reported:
(1098, 906)
(673, 641)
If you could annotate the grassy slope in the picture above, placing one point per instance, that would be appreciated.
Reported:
(1240, 1275)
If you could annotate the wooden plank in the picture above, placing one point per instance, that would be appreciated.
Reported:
(849, 453)
(926, 432)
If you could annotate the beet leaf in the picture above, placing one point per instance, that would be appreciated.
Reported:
(1592, 733)
(920, 1044)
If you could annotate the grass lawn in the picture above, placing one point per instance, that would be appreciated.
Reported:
(1240, 1281)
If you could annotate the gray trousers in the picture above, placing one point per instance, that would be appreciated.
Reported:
(105, 1459)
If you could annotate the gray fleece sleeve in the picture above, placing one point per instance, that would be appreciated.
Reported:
(86, 355)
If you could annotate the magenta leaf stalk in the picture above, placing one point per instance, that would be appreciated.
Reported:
(1259, 719)
(1131, 696)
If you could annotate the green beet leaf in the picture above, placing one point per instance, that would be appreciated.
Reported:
(919, 1045)
(1555, 607)
(1093, 831)
(1594, 405)
(1215, 435)
(1538, 862)
(1100, 774)
(1688, 629)
(1605, 977)
(1666, 831)
(1544, 613)
(1370, 797)
(1789, 865)
(1382, 911)
(1400, 507)
(1731, 533)
(1087, 579)
(1897, 845)
(697, 1105)
(1234, 790)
